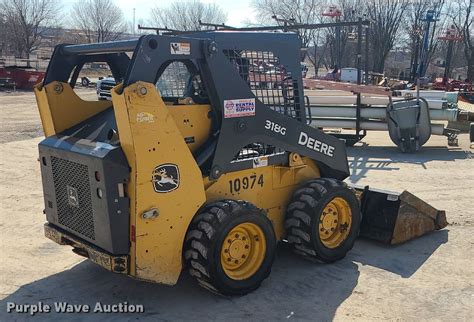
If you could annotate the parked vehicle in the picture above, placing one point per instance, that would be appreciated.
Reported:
(104, 86)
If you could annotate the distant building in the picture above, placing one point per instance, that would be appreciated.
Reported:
(439, 61)
(434, 71)
(459, 73)
(397, 64)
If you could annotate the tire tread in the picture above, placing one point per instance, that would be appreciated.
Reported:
(198, 241)
(298, 221)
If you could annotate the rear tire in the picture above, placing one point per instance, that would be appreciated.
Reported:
(323, 220)
(229, 247)
(85, 81)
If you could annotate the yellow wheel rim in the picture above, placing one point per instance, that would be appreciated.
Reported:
(243, 251)
(335, 223)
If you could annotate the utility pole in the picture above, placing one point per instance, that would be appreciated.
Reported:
(366, 60)
(338, 44)
(133, 30)
(359, 52)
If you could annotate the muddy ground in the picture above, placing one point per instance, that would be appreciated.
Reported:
(430, 278)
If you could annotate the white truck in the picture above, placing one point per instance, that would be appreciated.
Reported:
(104, 86)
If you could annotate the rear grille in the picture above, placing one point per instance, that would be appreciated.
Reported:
(73, 196)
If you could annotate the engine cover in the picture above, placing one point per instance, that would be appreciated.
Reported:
(84, 185)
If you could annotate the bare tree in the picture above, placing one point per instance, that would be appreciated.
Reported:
(3, 33)
(98, 20)
(387, 17)
(463, 20)
(26, 22)
(298, 11)
(351, 10)
(316, 50)
(185, 15)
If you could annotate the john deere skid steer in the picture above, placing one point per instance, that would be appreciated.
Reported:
(201, 160)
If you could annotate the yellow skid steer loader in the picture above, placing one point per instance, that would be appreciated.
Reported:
(202, 159)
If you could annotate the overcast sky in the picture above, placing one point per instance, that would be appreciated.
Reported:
(238, 11)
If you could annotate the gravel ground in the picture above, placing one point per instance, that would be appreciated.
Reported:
(430, 278)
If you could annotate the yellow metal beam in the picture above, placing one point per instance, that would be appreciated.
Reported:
(60, 108)
(150, 137)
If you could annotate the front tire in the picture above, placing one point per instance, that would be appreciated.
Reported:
(323, 220)
(229, 247)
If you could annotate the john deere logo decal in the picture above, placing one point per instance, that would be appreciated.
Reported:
(165, 178)
(72, 197)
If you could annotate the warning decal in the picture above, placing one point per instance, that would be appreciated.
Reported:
(180, 48)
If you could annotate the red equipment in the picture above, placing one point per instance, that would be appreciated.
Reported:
(333, 11)
(452, 85)
(21, 77)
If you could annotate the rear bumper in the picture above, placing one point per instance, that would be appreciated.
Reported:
(114, 263)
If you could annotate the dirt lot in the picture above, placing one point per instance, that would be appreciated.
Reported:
(429, 278)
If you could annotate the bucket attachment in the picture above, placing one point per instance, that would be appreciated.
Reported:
(393, 218)
(409, 124)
